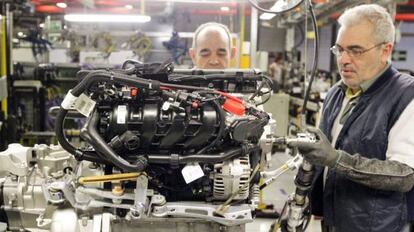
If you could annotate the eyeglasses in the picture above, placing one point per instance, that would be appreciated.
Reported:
(352, 52)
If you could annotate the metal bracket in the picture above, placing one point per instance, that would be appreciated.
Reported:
(140, 197)
(235, 215)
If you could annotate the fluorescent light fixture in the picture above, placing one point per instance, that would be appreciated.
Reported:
(267, 16)
(129, 7)
(186, 34)
(62, 5)
(107, 18)
(225, 8)
(279, 5)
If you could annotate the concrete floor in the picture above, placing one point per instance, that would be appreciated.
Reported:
(276, 194)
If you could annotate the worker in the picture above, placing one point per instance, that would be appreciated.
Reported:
(365, 141)
(212, 46)
(275, 72)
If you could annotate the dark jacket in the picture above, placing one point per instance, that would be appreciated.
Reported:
(347, 205)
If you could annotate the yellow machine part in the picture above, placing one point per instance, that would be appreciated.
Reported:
(3, 64)
(109, 178)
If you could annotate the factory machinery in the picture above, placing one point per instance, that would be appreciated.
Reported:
(161, 147)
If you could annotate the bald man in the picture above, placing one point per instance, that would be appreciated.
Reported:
(212, 47)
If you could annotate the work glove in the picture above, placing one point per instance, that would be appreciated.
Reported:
(320, 152)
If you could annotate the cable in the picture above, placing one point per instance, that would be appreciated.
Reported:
(131, 61)
(279, 220)
(292, 164)
(274, 172)
(202, 158)
(266, 80)
(302, 37)
(221, 120)
(264, 101)
(269, 181)
(316, 46)
(315, 60)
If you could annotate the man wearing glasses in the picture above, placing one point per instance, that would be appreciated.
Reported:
(365, 149)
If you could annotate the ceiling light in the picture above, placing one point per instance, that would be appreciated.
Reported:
(107, 18)
(267, 16)
(42, 25)
(225, 8)
(129, 7)
(20, 34)
(279, 5)
(62, 5)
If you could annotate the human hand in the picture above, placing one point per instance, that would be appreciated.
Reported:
(320, 152)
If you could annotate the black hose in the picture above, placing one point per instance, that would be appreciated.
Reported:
(265, 79)
(202, 158)
(269, 83)
(221, 120)
(102, 147)
(188, 87)
(92, 156)
(77, 153)
(265, 100)
(257, 91)
(315, 59)
(103, 75)
(60, 119)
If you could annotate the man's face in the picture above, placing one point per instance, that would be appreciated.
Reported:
(356, 69)
(212, 50)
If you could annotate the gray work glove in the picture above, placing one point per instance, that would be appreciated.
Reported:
(320, 152)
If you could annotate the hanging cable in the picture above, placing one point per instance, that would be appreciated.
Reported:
(315, 60)
(316, 45)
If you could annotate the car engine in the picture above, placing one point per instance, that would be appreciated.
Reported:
(160, 147)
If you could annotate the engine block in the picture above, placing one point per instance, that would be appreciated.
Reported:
(159, 148)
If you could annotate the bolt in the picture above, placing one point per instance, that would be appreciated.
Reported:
(223, 228)
(93, 166)
(84, 221)
(13, 177)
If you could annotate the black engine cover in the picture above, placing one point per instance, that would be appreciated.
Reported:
(157, 130)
